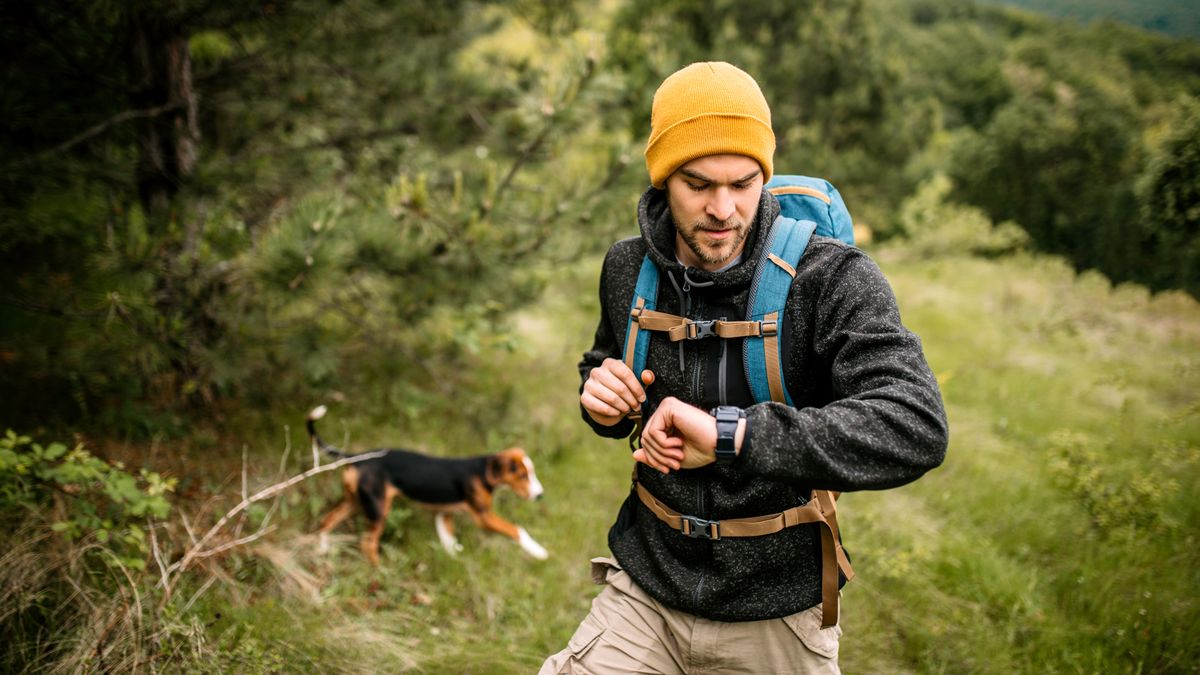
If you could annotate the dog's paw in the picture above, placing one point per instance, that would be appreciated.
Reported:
(531, 546)
(446, 535)
(323, 543)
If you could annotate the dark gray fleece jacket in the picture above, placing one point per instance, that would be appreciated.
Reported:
(868, 415)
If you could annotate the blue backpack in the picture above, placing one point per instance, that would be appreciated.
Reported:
(807, 206)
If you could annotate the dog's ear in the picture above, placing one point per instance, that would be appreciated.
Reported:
(494, 469)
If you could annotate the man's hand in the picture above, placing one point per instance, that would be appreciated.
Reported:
(681, 436)
(678, 436)
(611, 392)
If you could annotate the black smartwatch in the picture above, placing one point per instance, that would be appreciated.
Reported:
(727, 424)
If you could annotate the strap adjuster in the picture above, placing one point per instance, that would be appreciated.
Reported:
(698, 330)
(699, 528)
(768, 328)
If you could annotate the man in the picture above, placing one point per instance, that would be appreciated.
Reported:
(867, 414)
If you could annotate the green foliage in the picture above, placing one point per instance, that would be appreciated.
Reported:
(933, 226)
(1058, 157)
(345, 191)
(1111, 500)
(1169, 194)
(91, 498)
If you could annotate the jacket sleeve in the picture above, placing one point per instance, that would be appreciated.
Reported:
(886, 425)
(605, 344)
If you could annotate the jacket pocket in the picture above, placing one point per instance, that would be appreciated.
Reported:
(807, 626)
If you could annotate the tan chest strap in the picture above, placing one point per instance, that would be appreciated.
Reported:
(681, 328)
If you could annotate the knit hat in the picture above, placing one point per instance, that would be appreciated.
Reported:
(709, 108)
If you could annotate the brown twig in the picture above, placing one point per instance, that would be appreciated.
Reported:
(235, 543)
(197, 550)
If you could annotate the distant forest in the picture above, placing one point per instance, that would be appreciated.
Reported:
(1180, 18)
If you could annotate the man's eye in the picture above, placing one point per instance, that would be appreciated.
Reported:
(741, 186)
(697, 188)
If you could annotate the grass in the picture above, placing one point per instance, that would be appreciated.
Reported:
(1059, 536)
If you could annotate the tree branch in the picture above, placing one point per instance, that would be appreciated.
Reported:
(95, 130)
(197, 549)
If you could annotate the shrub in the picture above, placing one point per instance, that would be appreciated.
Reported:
(88, 496)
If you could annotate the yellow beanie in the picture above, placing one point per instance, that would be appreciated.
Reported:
(710, 108)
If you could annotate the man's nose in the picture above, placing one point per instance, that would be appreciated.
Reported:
(721, 206)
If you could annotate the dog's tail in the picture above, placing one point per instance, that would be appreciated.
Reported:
(318, 444)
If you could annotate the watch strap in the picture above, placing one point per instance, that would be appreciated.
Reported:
(727, 422)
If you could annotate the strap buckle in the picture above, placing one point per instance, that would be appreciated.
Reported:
(698, 330)
(699, 528)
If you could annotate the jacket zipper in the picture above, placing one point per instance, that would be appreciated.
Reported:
(697, 396)
(700, 512)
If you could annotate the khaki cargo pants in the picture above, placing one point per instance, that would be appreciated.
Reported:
(627, 631)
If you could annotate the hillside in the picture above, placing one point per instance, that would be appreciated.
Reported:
(1180, 18)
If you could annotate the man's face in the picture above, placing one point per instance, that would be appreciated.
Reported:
(713, 201)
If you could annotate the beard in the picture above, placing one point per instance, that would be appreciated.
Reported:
(714, 253)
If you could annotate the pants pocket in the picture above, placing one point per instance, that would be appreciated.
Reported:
(601, 569)
(807, 627)
(571, 659)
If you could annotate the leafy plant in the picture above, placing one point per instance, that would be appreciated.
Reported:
(88, 496)
(1111, 500)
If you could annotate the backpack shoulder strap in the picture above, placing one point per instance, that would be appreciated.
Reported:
(768, 295)
(645, 295)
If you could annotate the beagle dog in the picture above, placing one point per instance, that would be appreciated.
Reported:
(444, 484)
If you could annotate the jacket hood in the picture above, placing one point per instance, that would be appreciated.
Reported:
(658, 232)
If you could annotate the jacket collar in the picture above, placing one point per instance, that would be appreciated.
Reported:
(658, 232)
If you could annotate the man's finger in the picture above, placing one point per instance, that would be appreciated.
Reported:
(670, 446)
(619, 386)
(663, 449)
(604, 392)
(621, 371)
(642, 456)
(598, 406)
(661, 459)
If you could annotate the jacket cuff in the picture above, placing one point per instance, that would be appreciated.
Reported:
(621, 429)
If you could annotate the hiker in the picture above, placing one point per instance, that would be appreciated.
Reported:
(726, 555)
